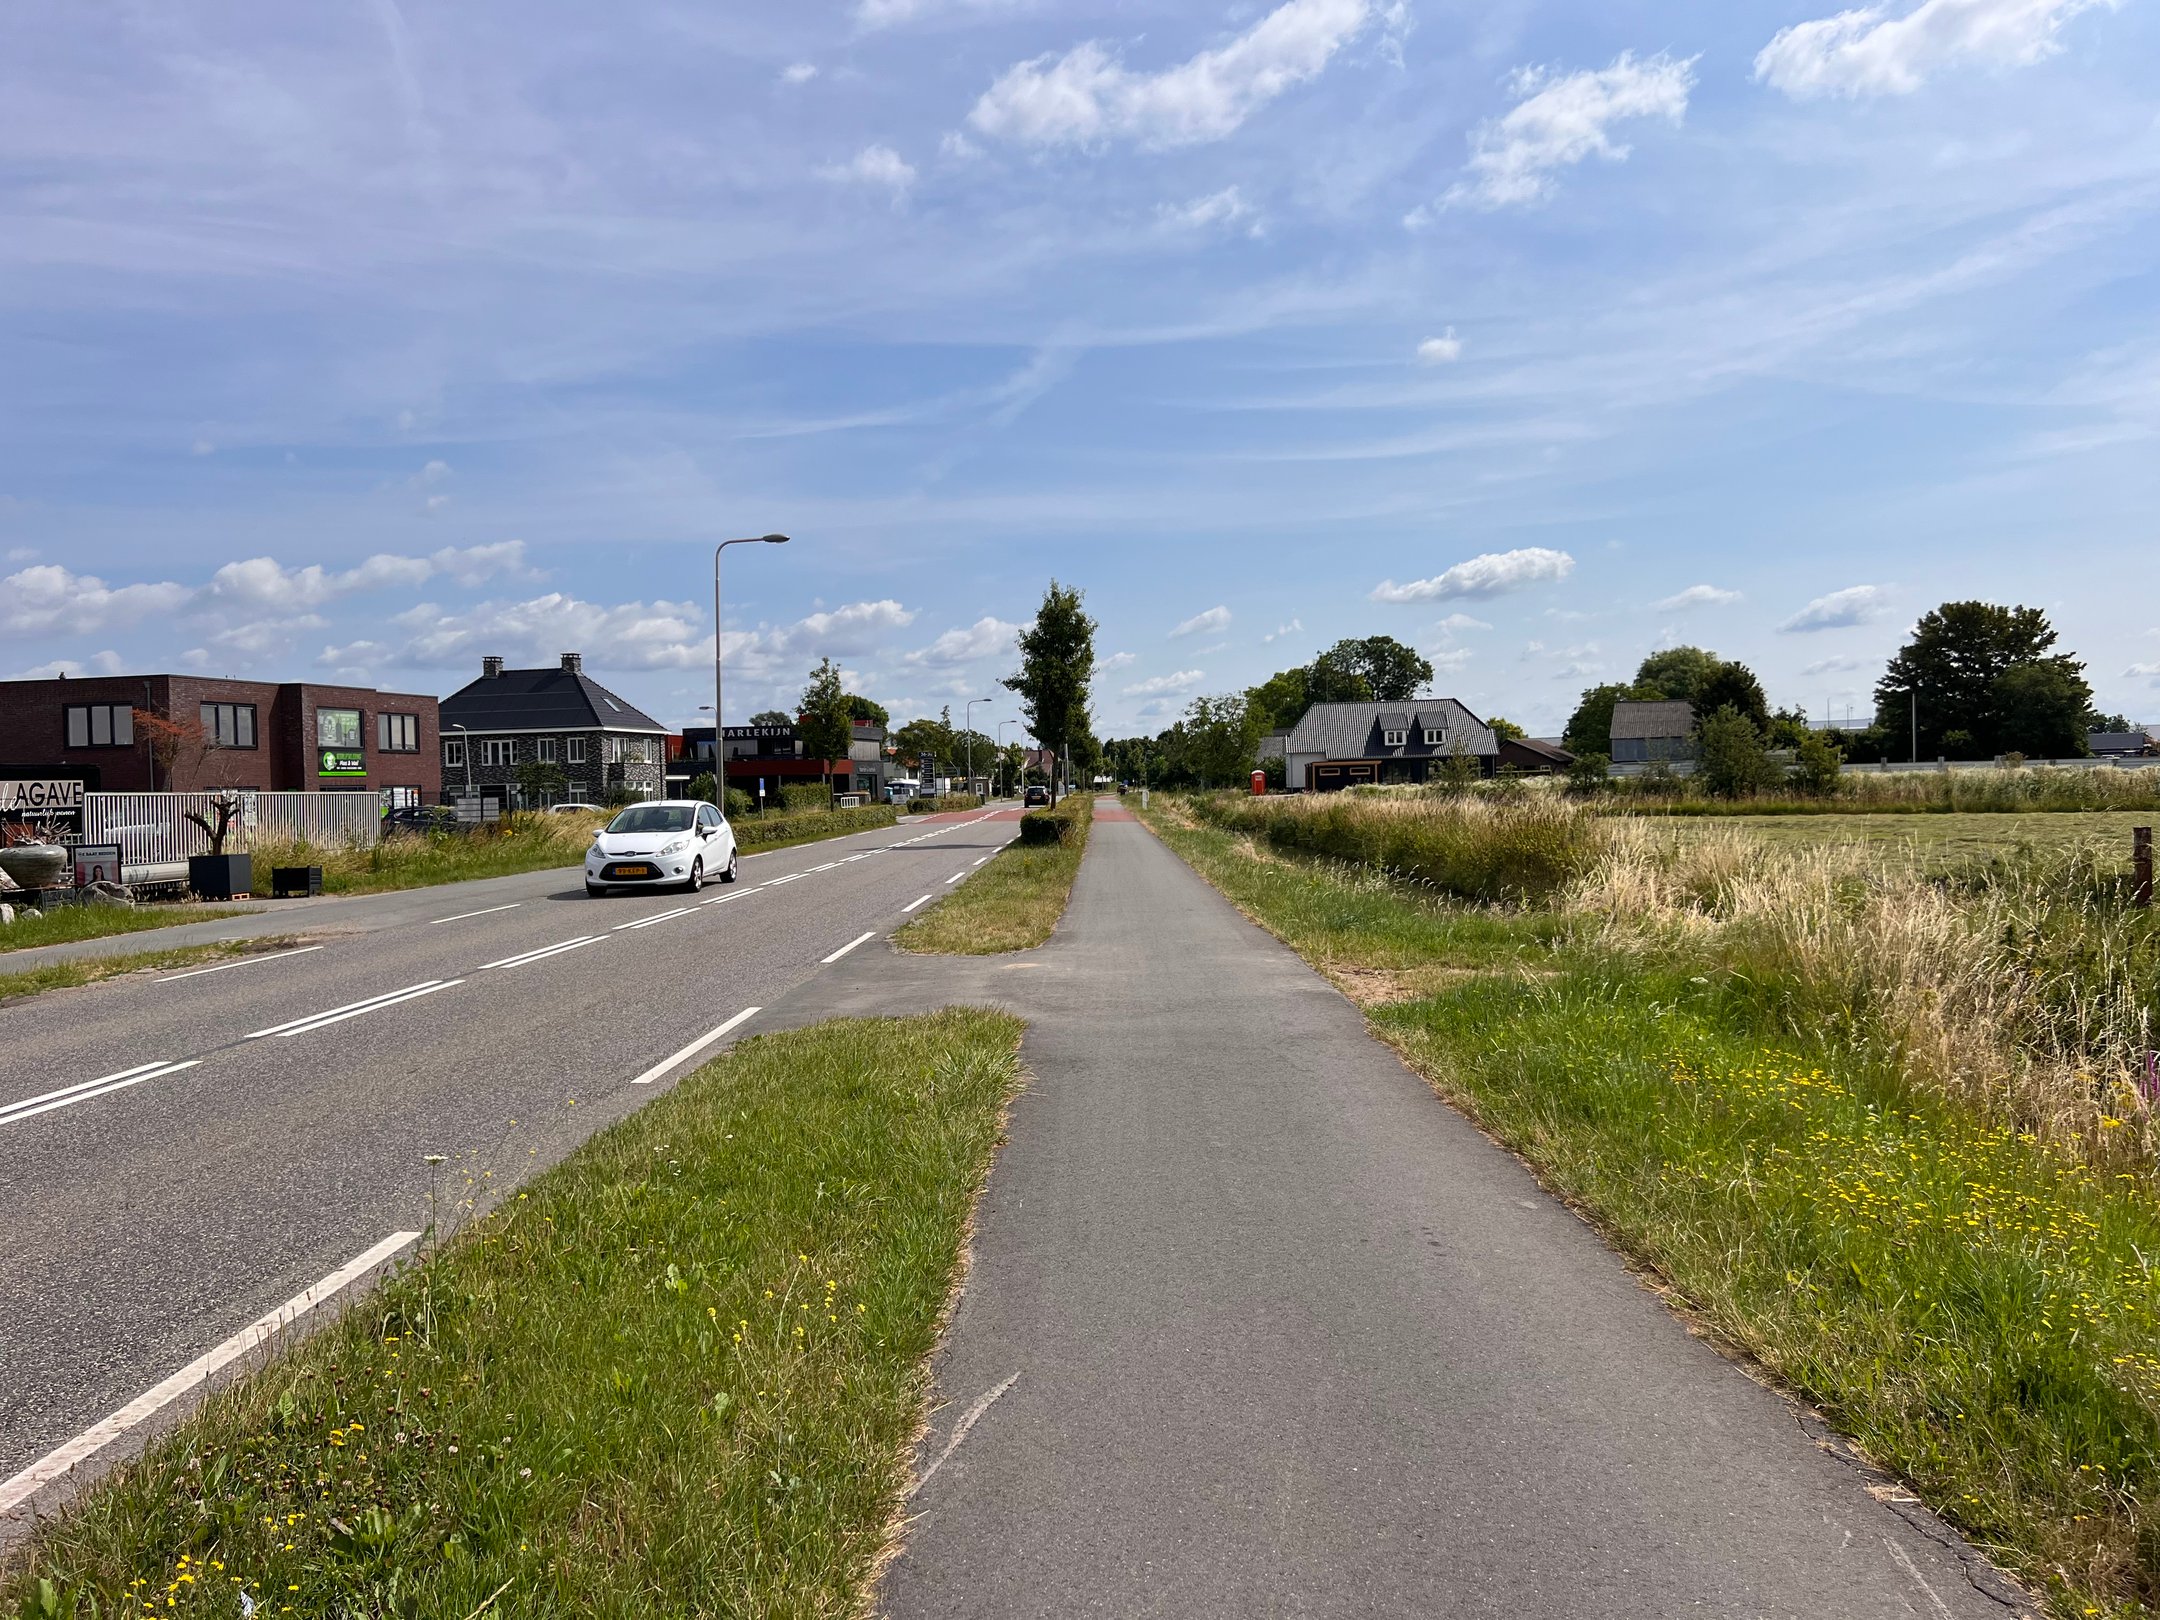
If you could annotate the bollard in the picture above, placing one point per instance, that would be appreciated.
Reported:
(2141, 865)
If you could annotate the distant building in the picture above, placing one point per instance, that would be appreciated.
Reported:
(514, 718)
(1647, 735)
(772, 756)
(1339, 745)
(2121, 744)
(1533, 756)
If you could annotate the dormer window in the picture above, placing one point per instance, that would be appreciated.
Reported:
(1434, 737)
(1394, 739)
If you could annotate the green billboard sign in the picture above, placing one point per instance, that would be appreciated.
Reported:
(340, 762)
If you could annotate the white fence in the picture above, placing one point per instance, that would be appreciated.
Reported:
(156, 838)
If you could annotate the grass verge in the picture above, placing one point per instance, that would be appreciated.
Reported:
(93, 969)
(1977, 1310)
(678, 1375)
(65, 924)
(1009, 904)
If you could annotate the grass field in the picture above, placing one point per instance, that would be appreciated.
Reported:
(1978, 1309)
(1012, 903)
(678, 1375)
(92, 970)
(1947, 843)
(63, 924)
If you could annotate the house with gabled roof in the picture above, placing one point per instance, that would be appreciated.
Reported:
(1651, 736)
(508, 718)
(1339, 745)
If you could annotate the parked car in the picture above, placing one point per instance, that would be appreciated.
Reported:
(576, 808)
(659, 844)
(1034, 796)
(418, 820)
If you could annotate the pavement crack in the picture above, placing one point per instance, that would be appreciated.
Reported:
(968, 1420)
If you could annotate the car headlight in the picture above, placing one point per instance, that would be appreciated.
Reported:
(677, 847)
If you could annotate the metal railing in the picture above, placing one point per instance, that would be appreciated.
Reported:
(156, 838)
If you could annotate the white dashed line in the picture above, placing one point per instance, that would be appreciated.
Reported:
(849, 946)
(338, 1015)
(912, 904)
(695, 1047)
(491, 910)
(544, 951)
(647, 922)
(84, 1090)
(246, 961)
(956, 877)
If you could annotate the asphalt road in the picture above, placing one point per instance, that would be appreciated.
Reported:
(148, 1219)
(1255, 1326)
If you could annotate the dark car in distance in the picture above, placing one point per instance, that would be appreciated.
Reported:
(421, 819)
(1035, 796)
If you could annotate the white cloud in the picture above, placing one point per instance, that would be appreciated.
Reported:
(1175, 685)
(102, 663)
(1214, 619)
(1561, 119)
(798, 73)
(264, 582)
(1697, 596)
(893, 13)
(628, 635)
(202, 447)
(2138, 670)
(435, 472)
(49, 597)
(874, 166)
(1088, 95)
(1440, 351)
(1456, 623)
(1836, 665)
(1489, 575)
(21, 554)
(981, 639)
(1449, 660)
(1225, 207)
(1868, 52)
(1116, 661)
(1281, 630)
(1856, 604)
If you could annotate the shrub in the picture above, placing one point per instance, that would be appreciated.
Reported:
(959, 801)
(1733, 759)
(1817, 764)
(1066, 822)
(780, 828)
(739, 803)
(796, 796)
(1589, 773)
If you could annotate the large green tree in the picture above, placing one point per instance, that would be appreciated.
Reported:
(1589, 728)
(865, 712)
(1676, 675)
(825, 728)
(1392, 672)
(1956, 665)
(1219, 738)
(1057, 661)
(772, 717)
(1279, 702)
(1733, 686)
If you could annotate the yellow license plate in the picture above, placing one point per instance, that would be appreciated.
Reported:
(633, 871)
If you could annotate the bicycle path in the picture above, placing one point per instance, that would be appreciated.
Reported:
(1256, 1326)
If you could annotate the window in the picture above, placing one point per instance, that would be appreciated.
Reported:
(544, 749)
(611, 750)
(337, 728)
(401, 798)
(498, 751)
(100, 725)
(1394, 739)
(1434, 737)
(654, 818)
(577, 750)
(453, 751)
(397, 733)
(229, 725)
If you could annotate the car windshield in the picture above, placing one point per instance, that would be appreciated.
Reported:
(651, 818)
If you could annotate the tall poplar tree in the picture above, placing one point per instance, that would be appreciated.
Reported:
(1057, 661)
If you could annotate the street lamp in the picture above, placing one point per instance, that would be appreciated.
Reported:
(967, 724)
(465, 748)
(719, 714)
(1001, 725)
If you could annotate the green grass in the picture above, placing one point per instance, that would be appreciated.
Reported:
(1012, 903)
(1952, 842)
(93, 969)
(64, 924)
(678, 1375)
(1980, 1314)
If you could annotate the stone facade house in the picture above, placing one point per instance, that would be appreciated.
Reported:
(510, 718)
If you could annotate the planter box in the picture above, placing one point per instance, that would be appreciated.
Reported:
(220, 877)
(35, 866)
(290, 882)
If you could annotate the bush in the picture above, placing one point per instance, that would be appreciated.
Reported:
(739, 804)
(796, 796)
(1589, 773)
(1734, 761)
(781, 828)
(1817, 764)
(1066, 822)
(701, 786)
(921, 807)
(959, 801)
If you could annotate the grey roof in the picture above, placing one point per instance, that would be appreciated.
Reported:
(1537, 747)
(542, 700)
(1352, 730)
(2118, 742)
(1632, 719)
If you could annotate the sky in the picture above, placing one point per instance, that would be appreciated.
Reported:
(356, 341)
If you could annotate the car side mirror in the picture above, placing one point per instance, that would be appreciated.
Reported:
(597, 831)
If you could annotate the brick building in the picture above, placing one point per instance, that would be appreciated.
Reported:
(194, 733)
(597, 742)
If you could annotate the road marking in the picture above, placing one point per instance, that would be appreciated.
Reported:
(790, 878)
(985, 858)
(83, 1090)
(849, 946)
(956, 877)
(545, 950)
(338, 1015)
(912, 904)
(968, 1421)
(695, 1047)
(57, 1464)
(491, 910)
(246, 961)
(827, 867)
(647, 922)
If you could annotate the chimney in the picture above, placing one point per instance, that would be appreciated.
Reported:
(490, 667)
(573, 663)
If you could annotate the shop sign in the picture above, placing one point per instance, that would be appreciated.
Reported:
(97, 863)
(340, 762)
(40, 796)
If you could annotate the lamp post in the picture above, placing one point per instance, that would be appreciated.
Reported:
(719, 714)
(967, 724)
(465, 748)
(1001, 725)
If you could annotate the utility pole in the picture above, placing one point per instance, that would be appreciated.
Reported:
(1916, 723)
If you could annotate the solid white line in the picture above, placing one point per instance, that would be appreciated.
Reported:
(695, 1047)
(84, 1090)
(956, 877)
(647, 922)
(227, 967)
(849, 946)
(545, 950)
(56, 1464)
(912, 904)
(491, 910)
(338, 1015)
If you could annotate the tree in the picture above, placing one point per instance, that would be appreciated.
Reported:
(921, 743)
(866, 713)
(1279, 702)
(2042, 710)
(1327, 682)
(1505, 729)
(1955, 663)
(702, 785)
(1392, 672)
(1733, 686)
(826, 728)
(539, 781)
(1219, 738)
(1731, 754)
(1816, 764)
(1057, 661)
(771, 717)
(1676, 675)
(1589, 728)
(173, 742)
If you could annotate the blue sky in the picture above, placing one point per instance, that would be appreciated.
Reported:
(356, 341)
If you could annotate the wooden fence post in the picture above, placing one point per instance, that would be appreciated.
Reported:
(2141, 864)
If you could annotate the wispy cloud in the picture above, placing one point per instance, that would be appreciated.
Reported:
(1294, 627)
(1493, 574)
(1856, 604)
(1696, 596)
(1440, 351)
(1088, 95)
(1173, 685)
(879, 167)
(1869, 52)
(798, 73)
(1560, 119)
(1215, 618)
(986, 636)
(1225, 207)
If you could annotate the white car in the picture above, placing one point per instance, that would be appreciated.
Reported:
(661, 843)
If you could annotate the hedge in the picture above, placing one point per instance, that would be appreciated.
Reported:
(1066, 823)
(781, 829)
